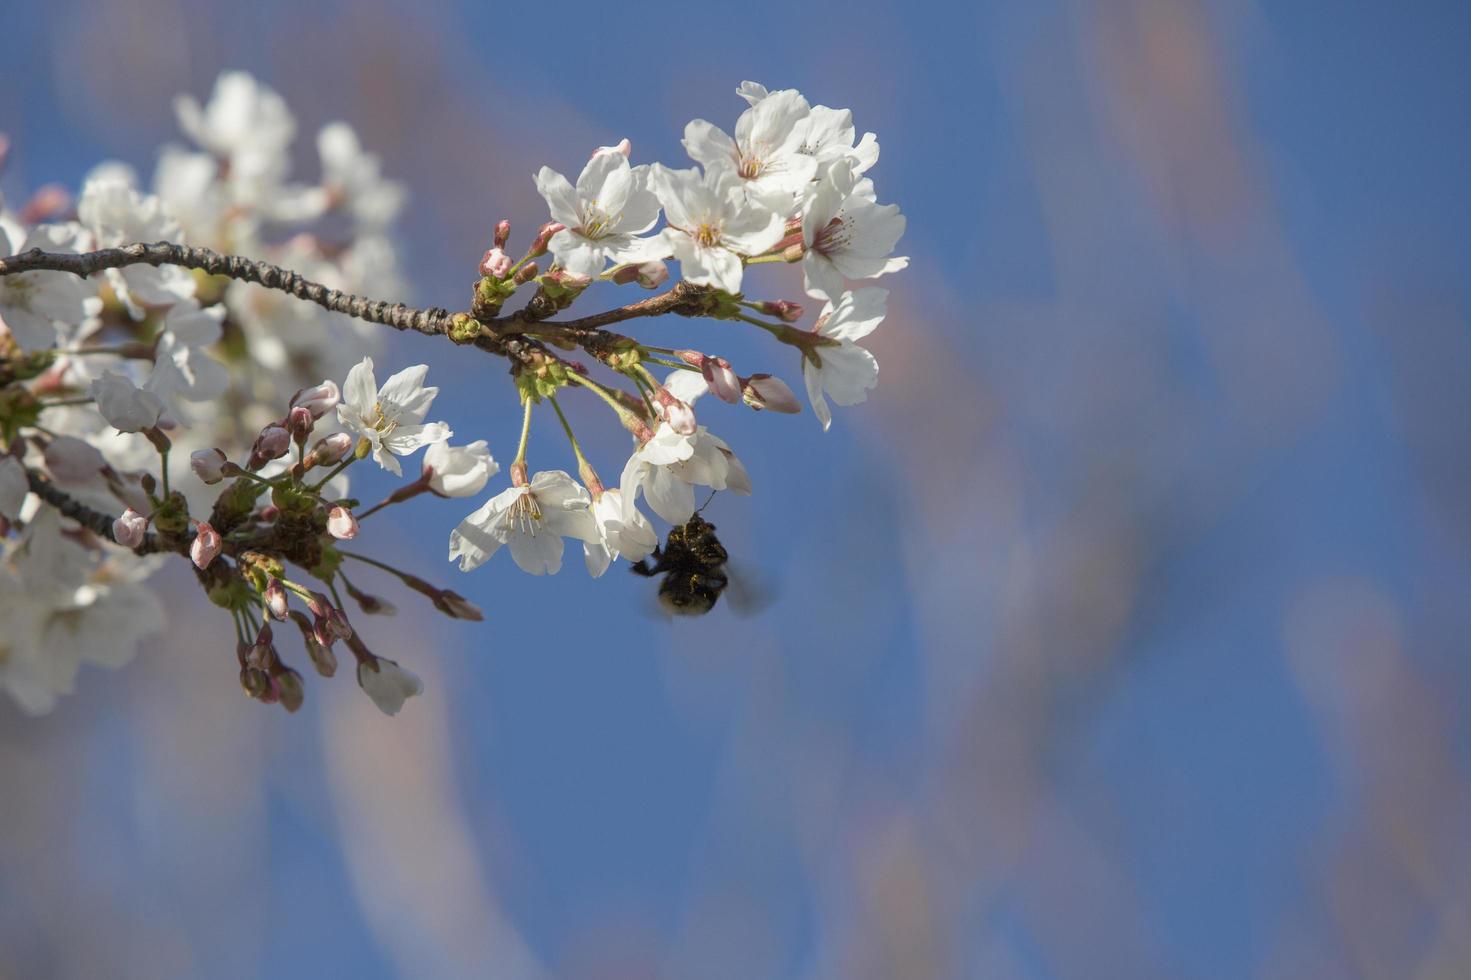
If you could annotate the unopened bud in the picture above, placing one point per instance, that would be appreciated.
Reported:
(205, 547)
(526, 273)
(338, 621)
(652, 275)
(543, 235)
(678, 414)
(319, 399)
(289, 689)
(129, 529)
(331, 449)
(341, 524)
(255, 682)
(691, 357)
(783, 309)
(456, 606)
(275, 596)
(322, 657)
(722, 380)
(269, 513)
(207, 465)
(496, 264)
(793, 253)
(649, 275)
(299, 424)
(502, 232)
(765, 391)
(272, 443)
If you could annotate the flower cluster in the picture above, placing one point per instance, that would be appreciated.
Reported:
(155, 399)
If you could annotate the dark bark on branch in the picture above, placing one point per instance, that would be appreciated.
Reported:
(93, 520)
(502, 336)
(395, 315)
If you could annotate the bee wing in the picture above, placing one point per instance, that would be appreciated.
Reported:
(749, 591)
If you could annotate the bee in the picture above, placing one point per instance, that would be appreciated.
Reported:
(692, 562)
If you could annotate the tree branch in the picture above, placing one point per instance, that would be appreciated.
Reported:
(93, 520)
(501, 336)
(396, 315)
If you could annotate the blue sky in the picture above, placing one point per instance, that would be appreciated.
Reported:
(1102, 632)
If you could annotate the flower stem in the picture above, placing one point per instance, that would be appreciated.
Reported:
(567, 428)
(624, 415)
(317, 487)
(525, 436)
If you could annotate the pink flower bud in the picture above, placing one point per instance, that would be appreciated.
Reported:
(322, 657)
(765, 391)
(496, 264)
(338, 624)
(721, 379)
(652, 275)
(299, 423)
(275, 597)
(207, 465)
(319, 399)
(502, 232)
(784, 310)
(678, 414)
(331, 449)
(205, 547)
(543, 235)
(526, 273)
(289, 689)
(269, 513)
(272, 443)
(341, 524)
(128, 530)
(691, 357)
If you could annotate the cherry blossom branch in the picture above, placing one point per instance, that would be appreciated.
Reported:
(395, 315)
(499, 335)
(93, 520)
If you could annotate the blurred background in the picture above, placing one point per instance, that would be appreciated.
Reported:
(1121, 633)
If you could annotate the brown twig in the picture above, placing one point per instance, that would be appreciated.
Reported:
(395, 315)
(93, 520)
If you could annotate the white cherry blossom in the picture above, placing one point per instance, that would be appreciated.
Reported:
(391, 418)
(126, 407)
(766, 151)
(388, 684)
(246, 124)
(827, 136)
(33, 303)
(459, 471)
(844, 371)
(181, 368)
(603, 214)
(532, 520)
(354, 181)
(668, 467)
(847, 234)
(712, 224)
(117, 214)
(632, 538)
